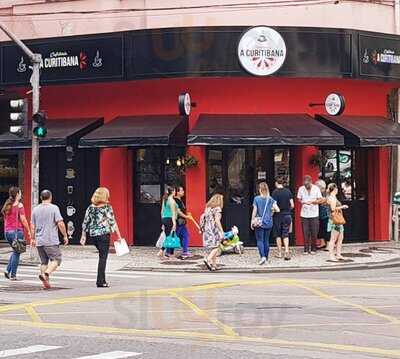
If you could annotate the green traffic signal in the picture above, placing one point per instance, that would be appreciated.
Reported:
(40, 131)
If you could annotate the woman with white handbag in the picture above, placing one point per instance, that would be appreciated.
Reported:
(261, 220)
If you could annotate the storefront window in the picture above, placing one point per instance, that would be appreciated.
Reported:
(148, 164)
(346, 168)
(215, 172)
(9, 176)
(237, 176)
(282, 164)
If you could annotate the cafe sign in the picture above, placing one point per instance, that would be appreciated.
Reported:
(261, 51)
(67, 60)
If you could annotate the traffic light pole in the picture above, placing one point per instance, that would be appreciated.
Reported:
(36, 60)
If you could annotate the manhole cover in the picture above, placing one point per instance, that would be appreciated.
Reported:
(178, 263)
(193, 258)
(355, 255)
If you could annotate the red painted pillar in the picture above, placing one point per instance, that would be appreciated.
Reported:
(379, 192)
(196, 191)
(114, 174)
(303, 155)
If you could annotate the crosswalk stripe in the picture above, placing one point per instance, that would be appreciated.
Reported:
(119, 275)
(27, 350)
(57, 277)
(112, 355)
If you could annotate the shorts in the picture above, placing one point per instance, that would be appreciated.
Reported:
(335, 227)
(49, 253)
(281, 227)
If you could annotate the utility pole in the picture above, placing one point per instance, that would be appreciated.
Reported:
(36, 60)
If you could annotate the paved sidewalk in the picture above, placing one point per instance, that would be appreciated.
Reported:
(358, 256)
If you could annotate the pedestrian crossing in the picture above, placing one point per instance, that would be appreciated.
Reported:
(66, 278)
(35, 349)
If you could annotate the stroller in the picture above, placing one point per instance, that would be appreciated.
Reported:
(231, 243)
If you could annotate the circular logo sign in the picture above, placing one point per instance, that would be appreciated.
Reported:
(334, 104)
(261, 51)
(185, 104)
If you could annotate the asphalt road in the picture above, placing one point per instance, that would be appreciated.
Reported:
(344, 314)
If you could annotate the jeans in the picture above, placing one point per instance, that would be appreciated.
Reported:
(102, 244)
(14, 258)
(262, 237)
(183, 234)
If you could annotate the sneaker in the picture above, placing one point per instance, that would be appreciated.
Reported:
(306, 252)
(45, 280)
(13, 279)
(7, 275)
(312, 252)
(262, 261)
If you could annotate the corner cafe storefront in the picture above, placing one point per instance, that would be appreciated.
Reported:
(112, 103)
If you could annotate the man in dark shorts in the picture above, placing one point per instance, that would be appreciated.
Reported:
(283, 219)
(46, 222)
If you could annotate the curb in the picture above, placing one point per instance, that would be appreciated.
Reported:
(392, 263)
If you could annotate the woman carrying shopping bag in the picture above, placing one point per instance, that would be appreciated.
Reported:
(14, 224)
(169, 215)
(100, 222)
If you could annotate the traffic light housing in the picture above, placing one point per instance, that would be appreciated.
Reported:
(39, 124)
(18, 117)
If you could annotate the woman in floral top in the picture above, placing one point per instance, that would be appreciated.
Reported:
(100, 222)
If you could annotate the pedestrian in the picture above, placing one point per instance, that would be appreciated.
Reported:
(212, 230)
(264, 207)
(323, 234)
(100, 223)
(46, 222)
(283, 219)
(14, 224)
(183, 216)
(336, 230)
(169, 216)
(309, 196)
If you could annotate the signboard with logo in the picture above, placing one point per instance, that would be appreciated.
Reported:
(261, 51)
(238, 51)
(67, 60)
(379, 56)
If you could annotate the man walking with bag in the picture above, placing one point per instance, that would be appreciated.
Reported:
(46, 222)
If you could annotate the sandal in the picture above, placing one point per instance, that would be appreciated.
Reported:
(209, 267)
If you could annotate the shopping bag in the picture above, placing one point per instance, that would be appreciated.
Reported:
(121, 248)
(172, 241)
(161, 239)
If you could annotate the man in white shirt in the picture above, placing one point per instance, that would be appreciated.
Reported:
(309, 196)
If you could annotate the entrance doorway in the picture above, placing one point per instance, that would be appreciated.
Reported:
(236, 172)
(348, 169)
(154, 169)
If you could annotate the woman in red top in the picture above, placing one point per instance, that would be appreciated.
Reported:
(14, 224)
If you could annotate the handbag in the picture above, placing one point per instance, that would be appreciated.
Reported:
(257, 221)
(337, 217)
(19, 245)
(172, 241)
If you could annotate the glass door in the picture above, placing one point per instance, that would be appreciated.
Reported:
(348, 169)
(155, 168)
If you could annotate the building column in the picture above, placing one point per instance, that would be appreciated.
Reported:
(196, 196)
(379, 194)
(303, 166)
(114, 174)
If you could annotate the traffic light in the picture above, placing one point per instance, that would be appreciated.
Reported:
(39, 123)
(18, 117)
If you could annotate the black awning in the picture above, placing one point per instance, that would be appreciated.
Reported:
(60, 133)
(138, 131)
(279, 129)
(365, 131)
